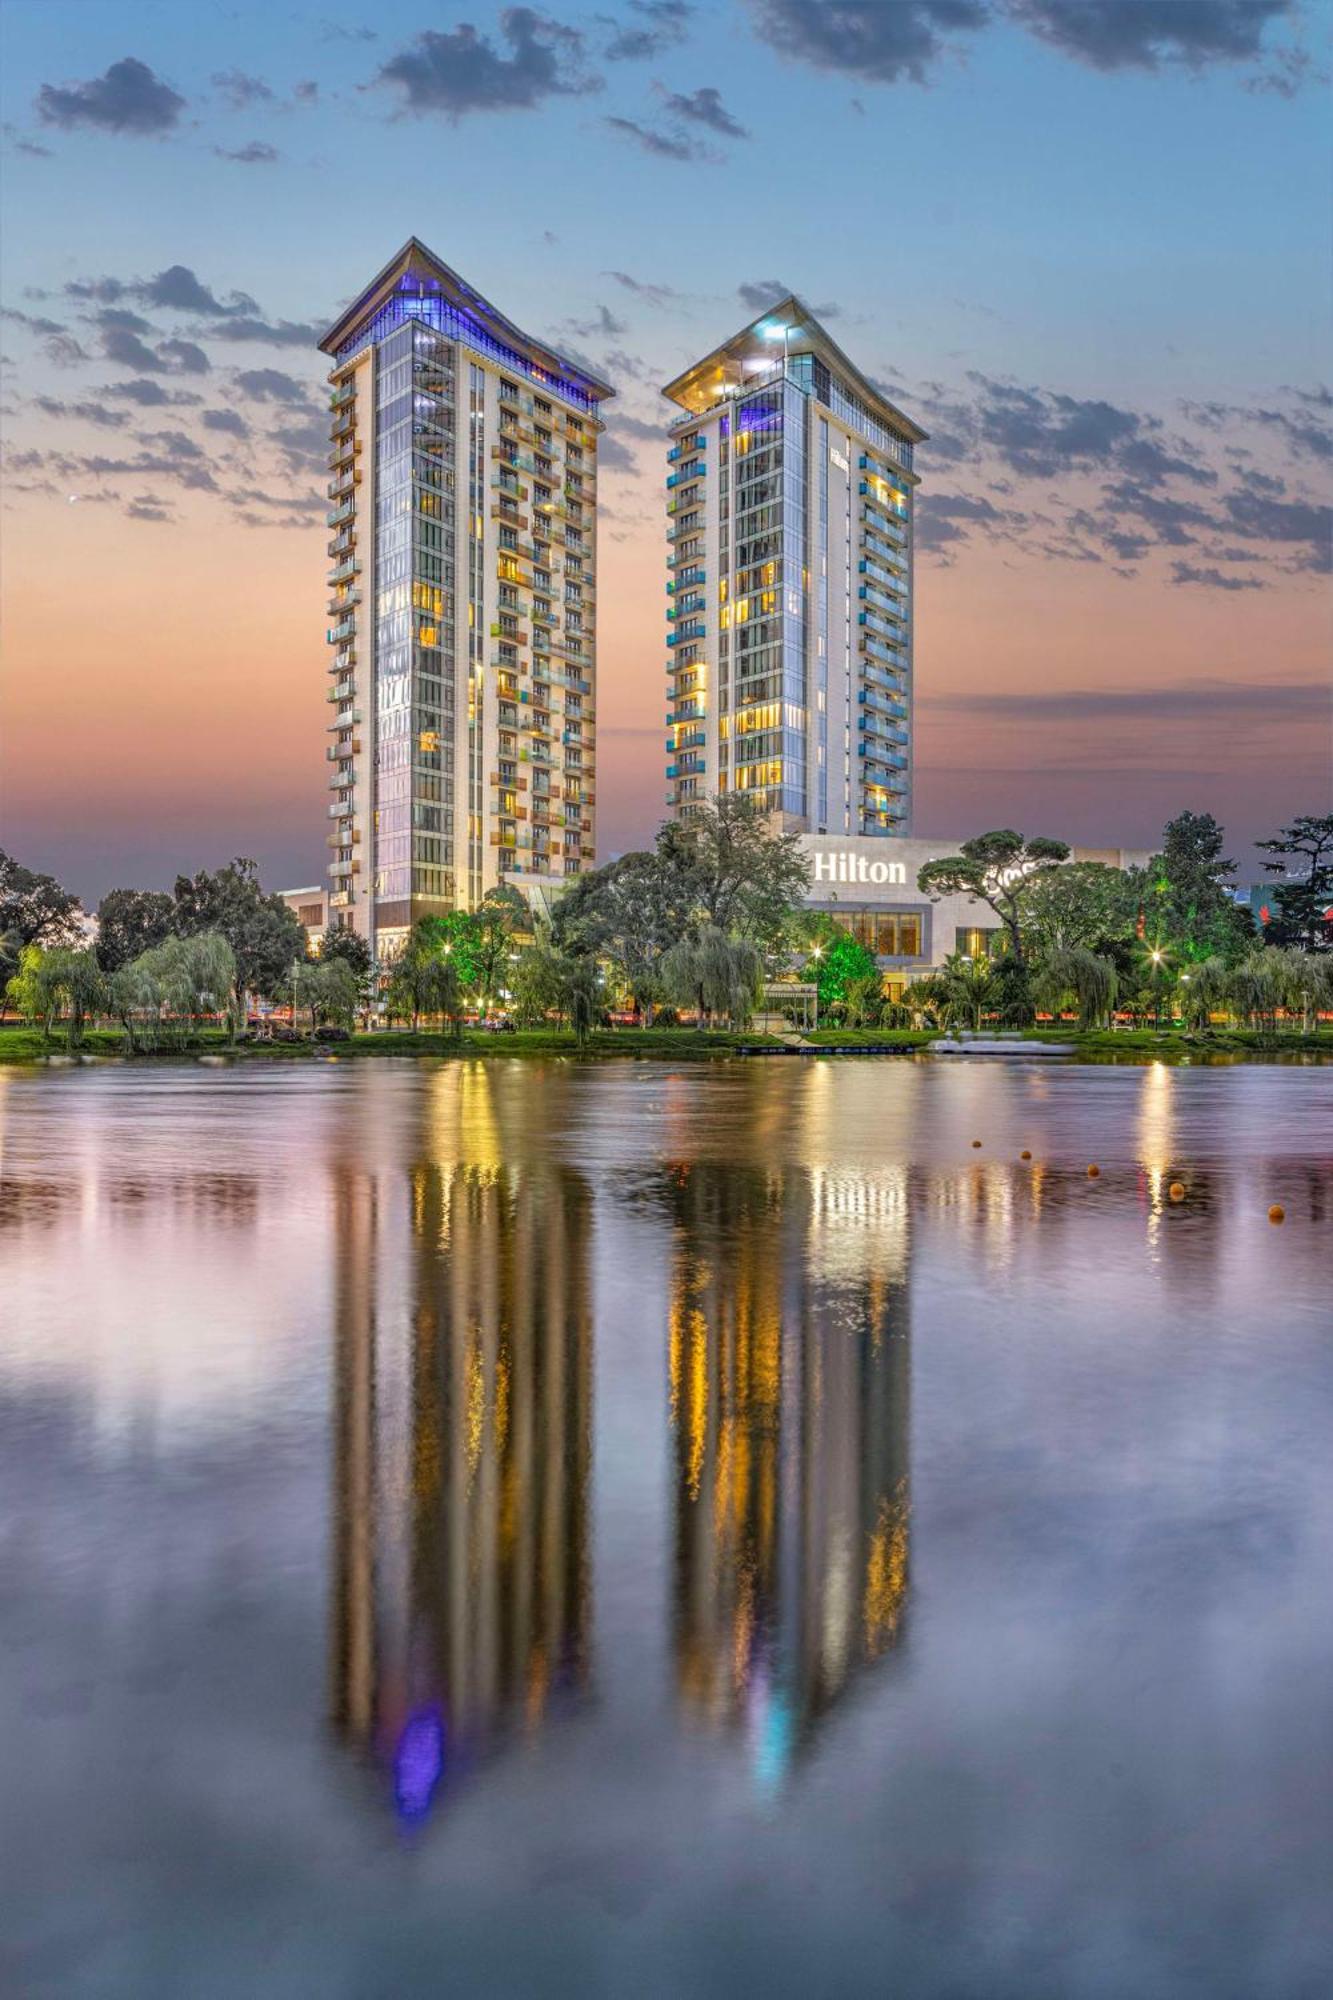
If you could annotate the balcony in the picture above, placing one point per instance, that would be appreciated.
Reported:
(337, 515)
(342, 395)
(686, 476)
(345, 630)
(345, 570)
(346, 601)
(337, 751)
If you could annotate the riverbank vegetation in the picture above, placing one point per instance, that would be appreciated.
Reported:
(689, 939)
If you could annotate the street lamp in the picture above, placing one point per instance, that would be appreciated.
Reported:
(817, 954)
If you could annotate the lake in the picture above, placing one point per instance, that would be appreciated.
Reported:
(517, 1527)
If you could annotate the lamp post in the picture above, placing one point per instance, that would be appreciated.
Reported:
(1157, 957)
(817, 954)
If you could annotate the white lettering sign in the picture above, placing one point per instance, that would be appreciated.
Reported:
(847, 867)
(838, 458)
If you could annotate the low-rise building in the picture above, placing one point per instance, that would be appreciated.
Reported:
(868, 885)
(311, 907)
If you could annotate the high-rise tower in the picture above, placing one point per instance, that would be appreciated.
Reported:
(790, 489)
(463, 504)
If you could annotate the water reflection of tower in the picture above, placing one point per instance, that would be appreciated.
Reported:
(789, 1354)
(462, 1427)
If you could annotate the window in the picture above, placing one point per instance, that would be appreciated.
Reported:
(974, 942)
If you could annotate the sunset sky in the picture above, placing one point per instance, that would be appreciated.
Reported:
(1084, 242)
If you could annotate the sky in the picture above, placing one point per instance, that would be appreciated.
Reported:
(1085, 243)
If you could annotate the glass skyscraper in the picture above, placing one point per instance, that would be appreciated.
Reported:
(463, 505)
(789, 501)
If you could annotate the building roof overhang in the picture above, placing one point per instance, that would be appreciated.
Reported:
(416, 268)
(703, 385)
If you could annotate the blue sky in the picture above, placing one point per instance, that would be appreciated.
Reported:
(1085, 241)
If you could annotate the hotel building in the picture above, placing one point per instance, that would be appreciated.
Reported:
(789, 497)
(462, 603)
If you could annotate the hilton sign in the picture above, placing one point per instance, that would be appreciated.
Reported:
(848, 867)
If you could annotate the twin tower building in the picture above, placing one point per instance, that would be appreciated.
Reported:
(463, 595)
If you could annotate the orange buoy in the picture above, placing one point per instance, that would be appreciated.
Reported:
(1093, 1173)
(976, 1142)
(1177, 1190)
(1277, 1213)
(1025, 1155)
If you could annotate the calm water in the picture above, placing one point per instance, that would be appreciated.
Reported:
(553, 1529)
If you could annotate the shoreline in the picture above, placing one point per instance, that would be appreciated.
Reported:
(24, 1047)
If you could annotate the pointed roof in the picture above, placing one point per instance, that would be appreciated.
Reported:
(416, 269)
(702, 385)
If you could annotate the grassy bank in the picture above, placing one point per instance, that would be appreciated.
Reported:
(26, 1045)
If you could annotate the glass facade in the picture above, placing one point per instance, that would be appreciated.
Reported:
(463, 512)
(789, 599)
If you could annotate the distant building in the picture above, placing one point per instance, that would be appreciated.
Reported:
(868, 886)
(311, 907)
(463, 507)
(790, 609)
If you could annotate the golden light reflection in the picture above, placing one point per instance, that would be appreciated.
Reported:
(462, 1422)
(789, 1423)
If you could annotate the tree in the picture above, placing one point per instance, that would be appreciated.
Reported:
(1304, 899)
(965, 988)
(130, 921)
(714, 974)
(424, 978)
(1080, 906)
(455, 937)
(838, 963)
(345, 946)
(193, 976)
(500, 917)
(1078, 978)
(541, 982)
(629, 914)
(136, 1000)
(1202, 992)
(1191, 913)
(1307, 984)
(864, 999)
(266, 937)
(1001, 869)
(59, 981)
(34, 909)
(744, 879)
(330, 989)
(1257, 988)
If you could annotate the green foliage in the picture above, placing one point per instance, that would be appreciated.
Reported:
(424, 978)
(1081, 906)
(744, 879)
(837, 963)
(963, 990)
(1001, 869)
(56, 982)
(628, 915)
(1304, 894)
(344, 946)
(266, 937)
(162, 994)
(1190, 910)
(34, 909)
(863, 1001)
(1078, 978)
(455, 937)
(131, 921)
(330, 989)
(717, 976)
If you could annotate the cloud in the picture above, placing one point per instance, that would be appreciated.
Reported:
(1212, 579)
(176, 289)
(90, 413)
(269, 333)
(271, 385)
(705, 107)
(655, 295)
(33, 150)
(255, 154)
(461, 71)
(184, 357)
(758, 294)
(147, 510)
(606, 325)
(121, 345)
(241, 90)
(878, 43)
(649, 29)
(1149, 34)
(665, 145)
(1189, 701)
(149, 394)
(231, 422)
(613, 456)
(129, 98)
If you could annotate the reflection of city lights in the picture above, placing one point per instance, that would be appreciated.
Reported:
(418, 1763)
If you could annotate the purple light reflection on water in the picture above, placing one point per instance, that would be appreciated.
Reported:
(418, 1763)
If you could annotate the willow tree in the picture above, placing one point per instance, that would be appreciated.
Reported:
(1258, 989)
(1078, 978)
(1203, 991)
(714, 974)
